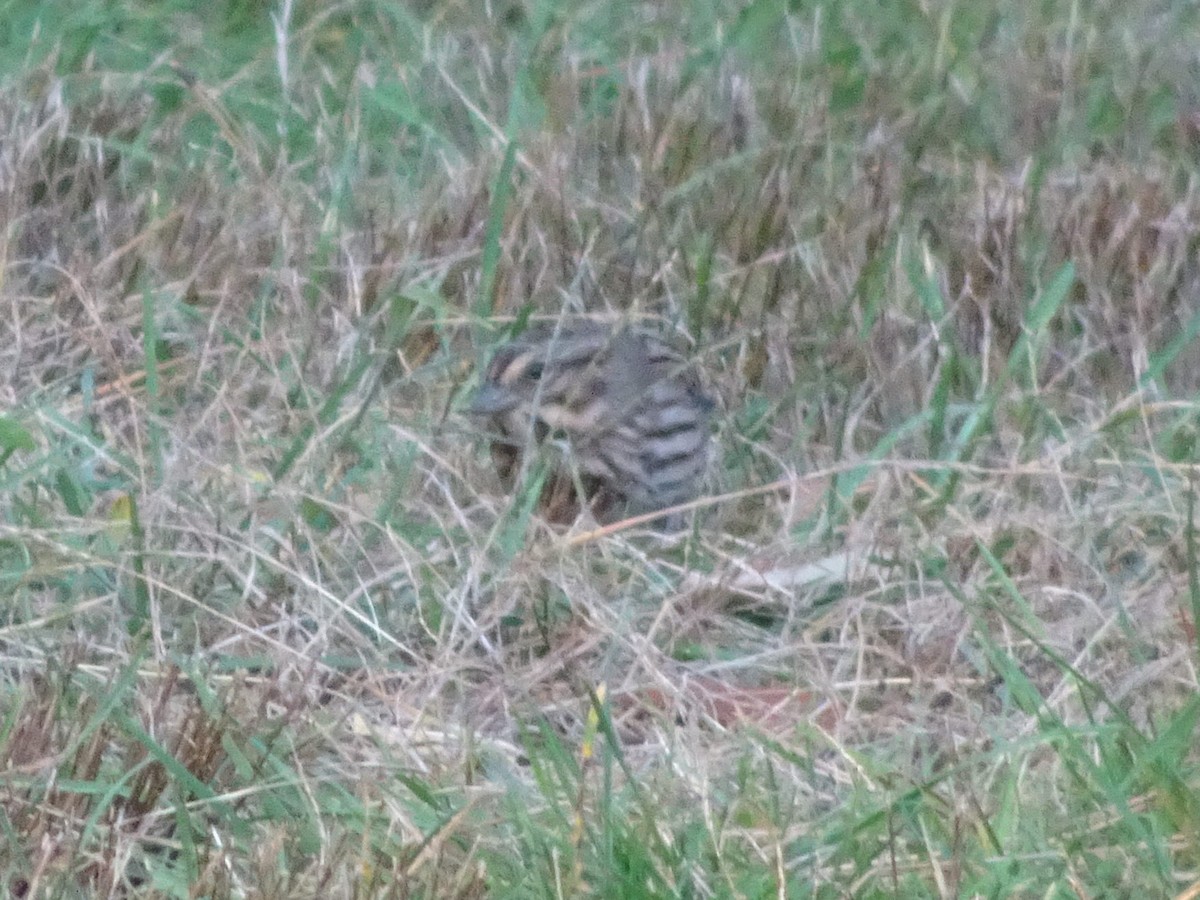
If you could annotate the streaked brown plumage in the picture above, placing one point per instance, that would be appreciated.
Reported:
(631, 409)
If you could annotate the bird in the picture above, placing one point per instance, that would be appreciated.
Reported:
(628, 408)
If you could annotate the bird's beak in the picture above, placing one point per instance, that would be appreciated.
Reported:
(490, 400)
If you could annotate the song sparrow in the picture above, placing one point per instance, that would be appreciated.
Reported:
(629, 408)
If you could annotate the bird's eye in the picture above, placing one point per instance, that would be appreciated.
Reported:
(534, 372)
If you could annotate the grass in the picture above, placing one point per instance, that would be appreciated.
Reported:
(271, 628)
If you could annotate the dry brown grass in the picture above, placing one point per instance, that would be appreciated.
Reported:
(275, 630)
